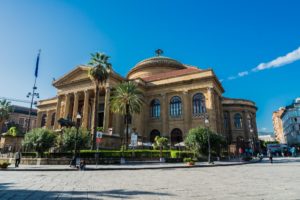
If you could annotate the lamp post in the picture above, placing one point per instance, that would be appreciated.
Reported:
(78, 117)
(206, 121)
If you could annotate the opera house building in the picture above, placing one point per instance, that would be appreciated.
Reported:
(176, 98)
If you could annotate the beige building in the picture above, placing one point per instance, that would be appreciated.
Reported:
(176, 98)
(20, 117)
(278, 125)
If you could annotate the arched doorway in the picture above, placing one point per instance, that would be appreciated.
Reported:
(240, 143)
(153, 134)
(176, 136)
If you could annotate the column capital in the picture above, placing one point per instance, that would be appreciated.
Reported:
(108, 88)
(76, 93)
(163, 95)
(210, 88)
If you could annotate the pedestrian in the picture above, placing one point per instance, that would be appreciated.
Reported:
(241, 152)
(18, 156)
(270, 155)
(73, 162)
(82, 165)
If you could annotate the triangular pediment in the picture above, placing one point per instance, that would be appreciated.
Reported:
(78, 74)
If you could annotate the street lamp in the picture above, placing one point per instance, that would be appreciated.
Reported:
(206, 121)
(78, 117)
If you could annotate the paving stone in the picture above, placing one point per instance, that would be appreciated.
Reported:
(259, 181)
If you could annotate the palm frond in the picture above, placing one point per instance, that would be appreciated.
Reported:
(126, 94)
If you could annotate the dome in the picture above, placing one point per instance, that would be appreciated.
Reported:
(154, 65)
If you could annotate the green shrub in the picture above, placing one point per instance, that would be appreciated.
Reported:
(29, 154)
(189, 160)
(181, 154)
(172, 156)
(67, 140)
(39, 140)
(4, 165)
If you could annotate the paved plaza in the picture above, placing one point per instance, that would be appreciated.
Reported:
(280, 180)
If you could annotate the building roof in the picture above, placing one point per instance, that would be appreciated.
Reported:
(23, 110)
(171, 74)
(155, 65)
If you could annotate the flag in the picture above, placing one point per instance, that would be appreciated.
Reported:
(37, 64)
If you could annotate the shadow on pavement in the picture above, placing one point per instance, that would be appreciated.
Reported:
(281, 160)
(8, 192)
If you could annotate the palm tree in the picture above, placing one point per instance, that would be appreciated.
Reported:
(5, 109)
(99, 73)
(126, 99)
(161, 142)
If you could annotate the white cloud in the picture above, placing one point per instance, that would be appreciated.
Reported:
(280, 61)
(241, 74)
(231, 77)
(263, 129)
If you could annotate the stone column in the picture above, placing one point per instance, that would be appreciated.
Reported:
(75, 107)
(67, 105)
(57, 116)
(164, 115)
(186, 112)
(210, 106)
(93, 111)
(85, 118)
(39, 119)
(245, 125)
(48, 119)
(106, 109)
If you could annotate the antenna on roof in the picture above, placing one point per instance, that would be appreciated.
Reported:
(159, 52)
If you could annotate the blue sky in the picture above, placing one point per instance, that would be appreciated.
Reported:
(228, 36)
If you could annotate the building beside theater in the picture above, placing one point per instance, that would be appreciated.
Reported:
(176, 98)
(291, 123)
(278, 126)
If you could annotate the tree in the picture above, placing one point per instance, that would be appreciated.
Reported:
(39, 140)
(127, 100)
(161, 142)
(196, 141)
(99, 73)
(5, 109)
(67, 140)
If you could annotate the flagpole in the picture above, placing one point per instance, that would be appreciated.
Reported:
(33, 94)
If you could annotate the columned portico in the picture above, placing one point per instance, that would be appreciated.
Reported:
(86, 109)
(58, 111)
(75, 106)
(67, 105)
(106, 109)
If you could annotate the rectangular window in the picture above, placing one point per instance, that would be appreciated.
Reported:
(21, 122)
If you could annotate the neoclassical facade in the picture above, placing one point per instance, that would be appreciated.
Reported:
(176, 98)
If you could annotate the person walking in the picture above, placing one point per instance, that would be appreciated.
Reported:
(270, 155)
(18, 156)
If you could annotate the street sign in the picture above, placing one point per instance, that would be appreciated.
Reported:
(98, 140)
(99, 134)
(134, 138)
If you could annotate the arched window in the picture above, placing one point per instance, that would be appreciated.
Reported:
(226, 119)
(198, 104)
(175, 107)
(153, 134)
(43, 121)
(155, 108)
(176, 136)
(238, 121)
(53, 119)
